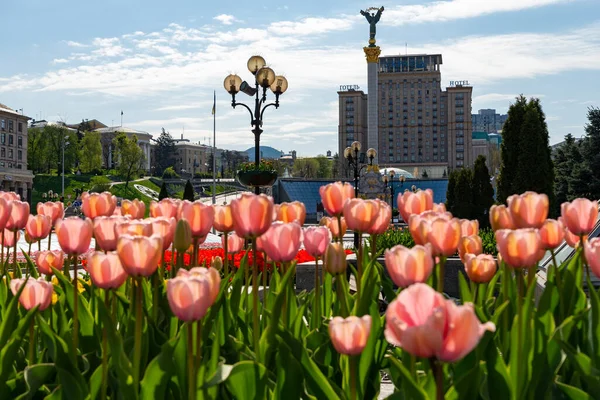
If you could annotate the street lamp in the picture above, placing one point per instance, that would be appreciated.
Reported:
(64, 144)
(354, 161)
(265, 78)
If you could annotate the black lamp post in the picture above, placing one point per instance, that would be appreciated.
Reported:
(264, 78)
(355, 159)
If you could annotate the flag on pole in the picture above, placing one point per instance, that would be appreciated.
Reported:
(214, 109)
(121, 113)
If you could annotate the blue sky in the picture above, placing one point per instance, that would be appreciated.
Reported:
(160, 61)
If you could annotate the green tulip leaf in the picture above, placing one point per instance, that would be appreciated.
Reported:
(572, 392)
(247, 380)
(499, 382)
(159, 372)
(404, 381)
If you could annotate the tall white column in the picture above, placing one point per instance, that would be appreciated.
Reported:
(372, 54)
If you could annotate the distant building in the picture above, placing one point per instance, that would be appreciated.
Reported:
(107, 135)
(14, 174)
(487, 120)
(481, 145)
(194, 157)
(421, 127)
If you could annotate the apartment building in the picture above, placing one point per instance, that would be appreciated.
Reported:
(13, 153)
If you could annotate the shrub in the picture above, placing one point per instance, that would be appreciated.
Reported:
(170, 173)
(100, 184)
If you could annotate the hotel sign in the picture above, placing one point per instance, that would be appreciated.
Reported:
(347, 88)
(459, 83)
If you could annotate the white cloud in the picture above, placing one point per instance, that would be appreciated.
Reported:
(60, 61)
(310, 26)
(456, 9)
(500, 97)
(225, 19)
(71, 43)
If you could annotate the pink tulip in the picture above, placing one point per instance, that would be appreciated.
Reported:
(18, 215)
(49, 258)
(74, 234)
(252, 214)
(439, 207)
(139, 255)
(106, 270)
(52, 209)
(135, 208)
(234, 242)
(165, 228)
(316, 240)
(520, 248)
(133, 227)
(37, 292)
(9, 196)
(104, 232)
(98, 204)
(469, 227)
(165, 208)
(360, 214)
(571, 239)
(469, 245)
(291, 212)
(223, 219)
(282, 241)
(443, 235)
(335, 258)
(501, 218)
(9, 238)
(424, 324)
(334, 196)
(199, 215)
(414, 203)
(382, 221)
(480, 268)
(349, 336)
(419, 232)
(591, 250)
(552, 234)
(528, 210)
(408, 266)
(580, 215)
(334, 226)
(38, 227)
(191, 293)
(5, 211)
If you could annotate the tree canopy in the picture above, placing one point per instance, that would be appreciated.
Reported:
(165, 152)
(129, 156)
(90, 150)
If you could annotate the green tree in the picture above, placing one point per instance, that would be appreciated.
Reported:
(325, 167)
(509, 151)
(463, 194)
(169, 173)
(450, 199)
(37, 150)
(163, 191)
(483, 192)
(129, 156)
(165, 152)
(90, 152)
(525, 153)
(188, 192)
(591, 153)
(306, 168)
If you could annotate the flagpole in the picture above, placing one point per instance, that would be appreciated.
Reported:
(214, 166)
(121, 118)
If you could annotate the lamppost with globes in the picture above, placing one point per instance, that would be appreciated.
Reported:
(265, 78)
(355, 158)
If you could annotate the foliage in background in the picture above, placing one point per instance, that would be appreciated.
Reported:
(525, 152)
(165, 152)
(129, 156)
(44, 149)
(90, 153)
(169, 173)
(263, 165)
(483, 192)
(163, 194)
(188, 192)
(100, 184)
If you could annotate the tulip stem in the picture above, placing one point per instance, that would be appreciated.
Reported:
(29, 254)
(341, 293)
(198, 352)
(225, 255)
(105, 347)
(374, 247)
(340, 238)
(317, 306)
(49, 238)
(195, 252)
(31, 357)
(2, 256)
(39, 245)
(440, 278)
(438, 373)
(75, 307)
(15, 256)
(190, 361)
(352, 360)
(519, 273)
(137, 345)
(255, 328)
(155, 281)
(359, 271)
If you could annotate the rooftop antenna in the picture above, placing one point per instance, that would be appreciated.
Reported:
(406, 47)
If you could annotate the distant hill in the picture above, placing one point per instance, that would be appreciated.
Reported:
(266, 153)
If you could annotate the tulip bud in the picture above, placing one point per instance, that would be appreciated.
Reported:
(335, 259)
(183, 235)
(217, 263)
